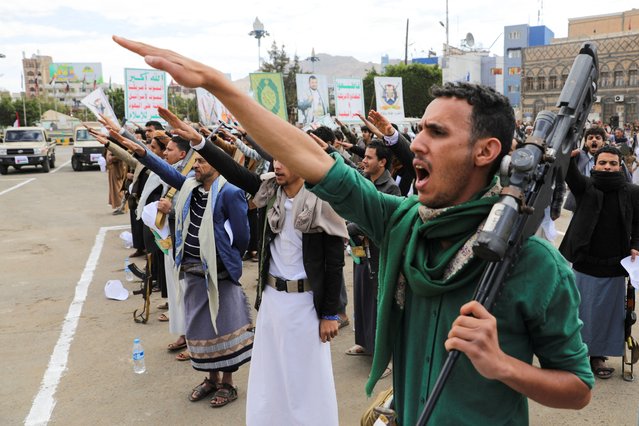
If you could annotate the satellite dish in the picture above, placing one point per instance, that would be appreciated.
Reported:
(470, 40)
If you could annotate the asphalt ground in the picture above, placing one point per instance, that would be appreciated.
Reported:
(66, 349)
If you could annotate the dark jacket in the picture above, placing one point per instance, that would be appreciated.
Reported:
(402, 151)
(230, 206)
(323, 254)
(576, 243)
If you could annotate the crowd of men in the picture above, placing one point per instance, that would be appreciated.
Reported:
(407, 206)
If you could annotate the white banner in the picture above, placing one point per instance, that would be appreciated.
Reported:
(349, 99)
(389, 98)
(312, 97)
(144, 92)
(210, 110)
(98, 103)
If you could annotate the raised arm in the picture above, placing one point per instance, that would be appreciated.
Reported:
(285, 142)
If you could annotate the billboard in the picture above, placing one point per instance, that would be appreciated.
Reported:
(349, 99)
(144, 92)
(312, 97)
(76, 72)
(210, 109)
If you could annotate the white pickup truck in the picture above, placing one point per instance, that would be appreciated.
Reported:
(26, 146)
(86, 149)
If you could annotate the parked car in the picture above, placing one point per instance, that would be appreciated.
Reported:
(26, 146)
(86, 149)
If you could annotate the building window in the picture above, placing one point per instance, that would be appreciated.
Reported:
(513, 88)
(552, 82)
(529, 83)
(604, 80)
(632, 78)
(538, 107)
(541, 83)
(631, 110)
(564, 78)
(514, 53)
(608, 109)
(619, 78)
(514, 35)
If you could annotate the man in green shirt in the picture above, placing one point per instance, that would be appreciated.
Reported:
(427, 270)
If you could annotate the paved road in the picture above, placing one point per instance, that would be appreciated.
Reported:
(66, 350)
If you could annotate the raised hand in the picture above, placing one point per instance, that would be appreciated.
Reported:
(128, 144)
(381, 122)
(180, 128)
(370, 126)
(319, 141)
(108, 123)
(185, 71)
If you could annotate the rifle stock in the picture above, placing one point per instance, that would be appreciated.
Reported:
(534, 168)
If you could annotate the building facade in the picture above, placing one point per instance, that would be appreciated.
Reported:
(546, 68)
(35, 71)
(517, 38)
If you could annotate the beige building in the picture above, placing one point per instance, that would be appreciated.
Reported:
(36, 74)
(545, 68)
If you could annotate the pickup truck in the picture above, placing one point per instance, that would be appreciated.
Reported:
(26, 146)
(86, 149)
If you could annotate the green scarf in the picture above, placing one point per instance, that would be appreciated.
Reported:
(412, 247)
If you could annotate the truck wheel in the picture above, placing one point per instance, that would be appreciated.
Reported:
(45, 166)
(76, 164)
(4, 170)
(52, 161)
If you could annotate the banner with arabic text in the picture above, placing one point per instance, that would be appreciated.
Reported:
(349, 99)
(144, 92)
(268, 91)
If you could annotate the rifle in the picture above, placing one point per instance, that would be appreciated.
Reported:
(631, 356)
(532, 171)
(143, 316)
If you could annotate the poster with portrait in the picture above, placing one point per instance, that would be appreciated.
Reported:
(312, 97)
(210, 110)
(349, 99)
(98, 103)
(389, 97)
(144, 92)
(268, 91)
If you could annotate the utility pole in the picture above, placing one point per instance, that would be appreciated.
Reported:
(406, 45)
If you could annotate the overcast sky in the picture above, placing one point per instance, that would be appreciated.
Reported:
(217, 33)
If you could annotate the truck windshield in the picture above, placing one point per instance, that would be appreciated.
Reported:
(83, 135)
(23, 136)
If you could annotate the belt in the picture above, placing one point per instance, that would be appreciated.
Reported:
(292, 286)
(198, 269)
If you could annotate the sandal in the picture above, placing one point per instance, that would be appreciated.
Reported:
(356, 350)
(202, 390)
(225, 394)
(163, 318)
(175, 346)
(600, 369)
(183, 356)
(163, 306)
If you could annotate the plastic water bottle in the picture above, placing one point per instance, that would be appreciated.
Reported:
(138, 357)
(127, 271)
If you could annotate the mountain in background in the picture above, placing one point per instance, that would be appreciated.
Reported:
(330, 66)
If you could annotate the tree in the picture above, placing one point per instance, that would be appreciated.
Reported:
(184, 108)
(417, 80)
(280, 62)
(116, 99)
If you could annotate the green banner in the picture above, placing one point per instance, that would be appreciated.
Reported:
(268, 91)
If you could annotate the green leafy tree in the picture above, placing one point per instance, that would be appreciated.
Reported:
(116, 99)
(417, 80)
(184, 108)
(280, 62)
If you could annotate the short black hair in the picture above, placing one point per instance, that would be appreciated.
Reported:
(325, 134)
(182, 144)
(365, 129)
(156, 125)
(491, 116)
(339, 135)
(382, 151)
(139, 132)
(609, 150)
(595, 131)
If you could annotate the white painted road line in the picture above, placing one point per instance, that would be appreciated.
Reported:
(44, 401)
(17, 186)
(61, 166)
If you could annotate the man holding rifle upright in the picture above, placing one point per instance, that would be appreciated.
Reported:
(427, 269)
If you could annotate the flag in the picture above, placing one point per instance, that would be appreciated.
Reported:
(94, 84)
(17, 122)
(84, 83)
(67, 88)
(496, 71)
(109, 82)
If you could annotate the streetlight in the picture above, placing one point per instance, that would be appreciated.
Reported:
(313, 58)
(444, 63)
(258, 32)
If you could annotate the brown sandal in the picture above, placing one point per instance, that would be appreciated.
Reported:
(183, 356)
(225, 394)
(202, 390)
